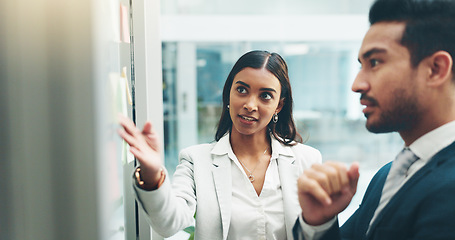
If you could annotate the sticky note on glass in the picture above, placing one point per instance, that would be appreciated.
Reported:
(127, 86)
(124, 24)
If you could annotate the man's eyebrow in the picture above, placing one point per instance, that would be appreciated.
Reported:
(371, 52)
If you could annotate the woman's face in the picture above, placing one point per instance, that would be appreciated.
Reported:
(254, 98)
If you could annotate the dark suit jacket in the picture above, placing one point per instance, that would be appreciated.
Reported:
(424, 208)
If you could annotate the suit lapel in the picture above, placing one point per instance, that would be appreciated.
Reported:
(222, 178)
(374, 199)
(288, 176)
(414, 180)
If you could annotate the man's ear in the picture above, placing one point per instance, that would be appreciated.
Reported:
(440, 64)
(280, 105)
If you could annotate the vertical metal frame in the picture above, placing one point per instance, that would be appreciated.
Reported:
(148, 81)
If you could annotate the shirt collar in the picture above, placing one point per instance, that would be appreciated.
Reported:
(223, 146)
(279, 149)
(434, 141)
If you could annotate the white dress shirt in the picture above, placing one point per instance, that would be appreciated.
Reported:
(424, 147)
(256, 217)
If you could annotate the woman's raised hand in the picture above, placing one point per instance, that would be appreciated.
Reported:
(144, 145)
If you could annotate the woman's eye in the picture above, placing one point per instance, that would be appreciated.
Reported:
(241, 90)
(266, 96)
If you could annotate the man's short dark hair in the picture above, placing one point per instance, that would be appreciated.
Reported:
(430, 25)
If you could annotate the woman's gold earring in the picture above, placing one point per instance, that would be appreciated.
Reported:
(275, 118)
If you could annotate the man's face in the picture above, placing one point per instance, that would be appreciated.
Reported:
(387, 82)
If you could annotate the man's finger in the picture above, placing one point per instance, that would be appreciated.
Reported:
(339, 175)
(313, 188)
(354, 175)
(320, 177)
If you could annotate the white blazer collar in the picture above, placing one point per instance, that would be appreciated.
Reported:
(278, 149)
(223, 146)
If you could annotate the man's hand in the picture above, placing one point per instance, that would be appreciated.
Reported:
(325, 190)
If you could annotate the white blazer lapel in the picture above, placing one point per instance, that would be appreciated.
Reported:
(222, 178)
(223, 184)
(289, 172)
(288, 177)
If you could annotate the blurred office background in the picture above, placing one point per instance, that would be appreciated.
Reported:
(65, 173)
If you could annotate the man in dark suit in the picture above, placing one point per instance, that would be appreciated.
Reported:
(407, 85)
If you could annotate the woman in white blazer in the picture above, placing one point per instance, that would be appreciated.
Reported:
(243, 185)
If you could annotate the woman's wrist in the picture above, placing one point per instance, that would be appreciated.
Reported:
(147, 185)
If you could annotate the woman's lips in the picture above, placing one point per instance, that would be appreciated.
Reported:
(247, 119)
